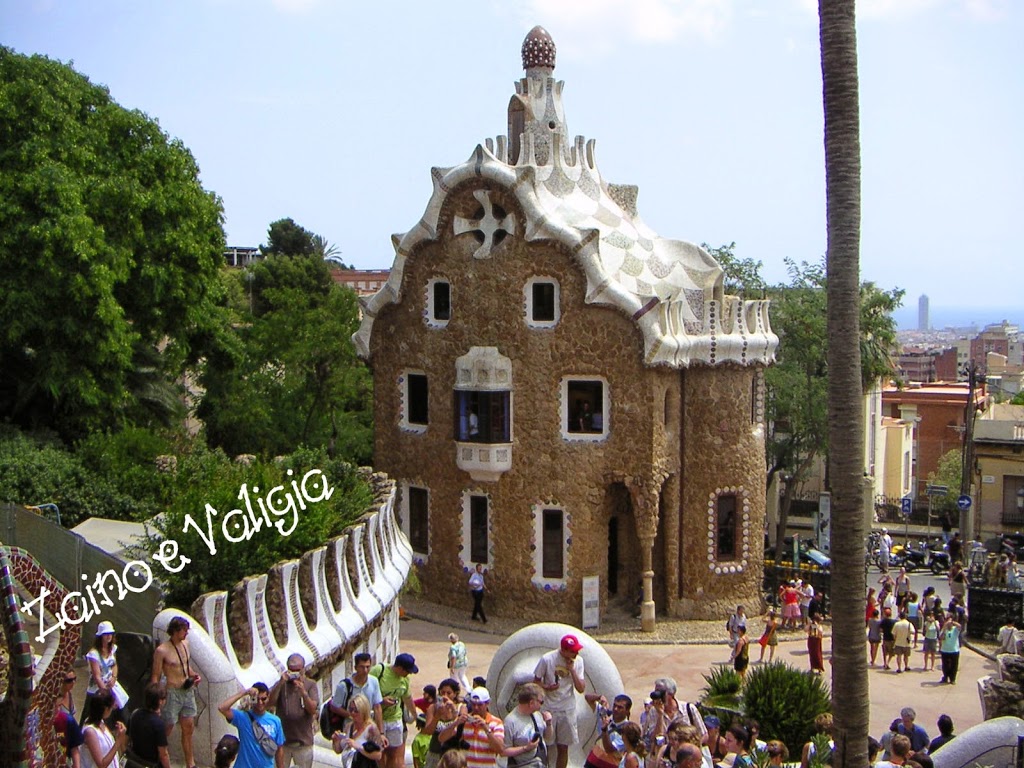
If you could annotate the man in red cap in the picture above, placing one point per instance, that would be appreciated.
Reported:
(560, 674)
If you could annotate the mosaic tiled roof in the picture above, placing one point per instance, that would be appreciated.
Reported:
(672, 289)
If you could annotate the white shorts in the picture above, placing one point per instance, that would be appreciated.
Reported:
(563, 729)
(394, 732)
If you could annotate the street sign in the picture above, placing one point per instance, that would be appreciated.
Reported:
(963, 503)
(938, 490)
(906, 506)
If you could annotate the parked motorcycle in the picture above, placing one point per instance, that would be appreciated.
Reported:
(914, 558)
(938, 560)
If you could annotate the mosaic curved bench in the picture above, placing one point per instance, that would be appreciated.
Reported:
(351, 588)
(27, 736)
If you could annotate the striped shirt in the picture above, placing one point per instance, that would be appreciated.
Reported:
(480, 754)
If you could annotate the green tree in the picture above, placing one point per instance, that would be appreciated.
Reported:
(948, 473)
(840, 89)
(742, 276)
(797, 383)
(1017, 399)
(285, 237)
(290, 377)
(35, 470)
(109, 250)
(209, 477)
(329, 251)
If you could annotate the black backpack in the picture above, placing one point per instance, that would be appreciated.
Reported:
(331, 721)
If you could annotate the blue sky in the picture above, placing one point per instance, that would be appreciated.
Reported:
(333, 113)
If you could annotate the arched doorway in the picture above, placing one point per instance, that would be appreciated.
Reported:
(622, 580)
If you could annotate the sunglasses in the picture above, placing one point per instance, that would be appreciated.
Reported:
(70, 679)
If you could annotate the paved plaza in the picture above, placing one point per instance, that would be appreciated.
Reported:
(640, 662)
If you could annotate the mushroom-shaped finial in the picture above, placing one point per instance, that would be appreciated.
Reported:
(538, 49)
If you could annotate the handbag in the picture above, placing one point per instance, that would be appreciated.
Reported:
(131, 760)
(264, 739)
(362, 761)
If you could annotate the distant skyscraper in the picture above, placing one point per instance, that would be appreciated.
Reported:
(922, 313)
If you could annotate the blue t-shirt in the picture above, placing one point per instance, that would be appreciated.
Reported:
(917, 735)
(370, 689)
(250, 754)
(950, 642)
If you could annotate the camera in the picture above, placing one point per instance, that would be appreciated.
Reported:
(657, 695)
(189, 682)
(293, 675)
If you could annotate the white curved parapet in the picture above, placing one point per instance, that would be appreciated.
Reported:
(993, 742)
(365, 619)
(516, 660)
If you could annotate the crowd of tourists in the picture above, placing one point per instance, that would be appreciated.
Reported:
(899, 621)
(372, 714)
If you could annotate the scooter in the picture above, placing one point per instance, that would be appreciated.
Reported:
(914, 558)
(938, 560)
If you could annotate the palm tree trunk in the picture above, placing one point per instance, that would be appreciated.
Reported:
(846, 429)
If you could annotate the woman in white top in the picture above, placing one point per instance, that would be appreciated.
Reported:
(102, 660)
(363, 740)
(102, 746)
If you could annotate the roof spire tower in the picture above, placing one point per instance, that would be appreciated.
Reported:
(536, 108)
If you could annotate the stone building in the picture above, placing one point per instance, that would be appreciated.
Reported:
(560, 393)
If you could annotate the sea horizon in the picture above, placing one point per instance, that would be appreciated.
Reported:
(940, 318)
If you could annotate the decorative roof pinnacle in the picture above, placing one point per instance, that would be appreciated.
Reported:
(538, 49)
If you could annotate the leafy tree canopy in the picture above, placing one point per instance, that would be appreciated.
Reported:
(286, 238)
(109, 250)
(209, 477)
(949, 473)
(797, 403)
(288, 375)
(742, 276)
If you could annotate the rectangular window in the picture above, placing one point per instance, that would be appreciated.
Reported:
(553, 565)
(1013, 500)
(442, 300)
(586, 407)
(478, 529)
(419, 523)
(543, 302)
(483, 417)
(726, 528)
(416, 399)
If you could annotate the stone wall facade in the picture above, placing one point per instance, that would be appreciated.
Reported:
(656, 416)
(529, 290)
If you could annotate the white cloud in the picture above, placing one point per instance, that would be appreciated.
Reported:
(602, 25)
(987, 10)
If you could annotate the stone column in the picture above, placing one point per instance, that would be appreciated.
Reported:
(647, 606)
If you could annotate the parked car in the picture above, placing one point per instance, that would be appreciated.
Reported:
(809, 556)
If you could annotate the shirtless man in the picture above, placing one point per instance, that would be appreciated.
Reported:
(172, 660)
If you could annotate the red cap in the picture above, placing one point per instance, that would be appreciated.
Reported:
(571, 643)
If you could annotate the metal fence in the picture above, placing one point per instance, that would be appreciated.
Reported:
(888, 509)
(989, 608)
(68, 557)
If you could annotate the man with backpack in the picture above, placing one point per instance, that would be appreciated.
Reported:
(361, 682)
(397, 707)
